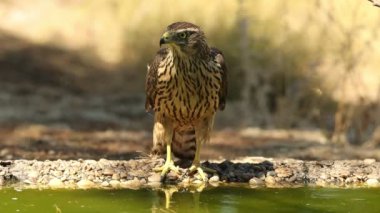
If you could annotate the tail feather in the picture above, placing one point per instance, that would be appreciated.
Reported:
(184, 144)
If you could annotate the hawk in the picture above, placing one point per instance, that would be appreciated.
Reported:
(185, 85)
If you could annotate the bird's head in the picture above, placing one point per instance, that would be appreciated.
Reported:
(187, 38)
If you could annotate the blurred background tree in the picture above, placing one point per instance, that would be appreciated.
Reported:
(293, 64)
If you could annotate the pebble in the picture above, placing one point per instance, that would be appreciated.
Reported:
(133, 184)
(270, 180)
(108, 171)
(291, 178)
(85, 184)
(214, 184)
(156, 177)
(172, 176)
(321, 183)
(142, 181)
(56, 183)
(104, 184)
(214, 179)
(57, 173)
(114, 183)
(283, 172)
(323, 176)
(115, 176)
(256, 181)
(123, 174)
(372, 182)
(261, 175)
(271, 173)
(155, 185)
(33, 174)
(197, 182)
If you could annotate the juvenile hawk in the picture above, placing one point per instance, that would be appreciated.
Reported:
(185, 85)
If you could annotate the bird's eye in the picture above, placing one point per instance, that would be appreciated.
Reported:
(182, 35)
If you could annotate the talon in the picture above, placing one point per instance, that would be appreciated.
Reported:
(168, 166)
(201, 171)
(208, 170)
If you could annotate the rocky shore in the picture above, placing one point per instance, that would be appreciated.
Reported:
(257, 171)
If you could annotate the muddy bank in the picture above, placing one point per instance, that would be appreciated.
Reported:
(138, 173)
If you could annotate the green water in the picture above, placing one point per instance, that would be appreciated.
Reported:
(221, 199)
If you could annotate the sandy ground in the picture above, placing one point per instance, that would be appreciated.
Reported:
(46, 142)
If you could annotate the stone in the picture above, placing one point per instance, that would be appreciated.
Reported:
(132, 184)
(114, 183)
(270, 180)
(283, 172)
(214, 179)
(115, 176)
(172, 176)
(56, 183)
(155, 185)
(56, 173)
(156, 177)
(323, 176)
(123, 174)
(197, 182)
(85, 184)
(104, 184)
(372, 182)
(321, 183)
(33, 174)
(142, 181)
(291, 178)
(214, 184)
(108, 172)
(256, 181)
(261, 175)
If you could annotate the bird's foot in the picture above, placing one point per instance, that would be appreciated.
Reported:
(201, 171)
(166, 168)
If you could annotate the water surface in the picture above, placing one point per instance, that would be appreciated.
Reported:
(220, 199)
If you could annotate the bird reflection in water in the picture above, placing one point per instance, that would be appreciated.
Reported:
(169, 198)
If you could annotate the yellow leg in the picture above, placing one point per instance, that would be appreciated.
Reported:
(196, 166)
(169, 163)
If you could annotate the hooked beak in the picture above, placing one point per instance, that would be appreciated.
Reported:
(165, 38)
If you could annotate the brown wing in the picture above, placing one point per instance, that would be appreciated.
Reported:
(151, 79)
(217, 55)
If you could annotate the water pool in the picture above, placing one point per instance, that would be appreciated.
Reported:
(219, 199)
